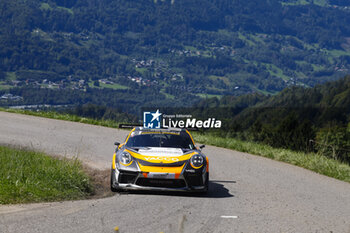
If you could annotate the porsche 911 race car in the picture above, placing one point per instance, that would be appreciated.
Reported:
(159, 159)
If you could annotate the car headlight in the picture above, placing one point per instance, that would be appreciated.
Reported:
(197, 161)
(125, 158)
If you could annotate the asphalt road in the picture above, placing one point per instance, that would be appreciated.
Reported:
(247, 193)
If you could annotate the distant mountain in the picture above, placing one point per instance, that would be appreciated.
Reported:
(203, 48)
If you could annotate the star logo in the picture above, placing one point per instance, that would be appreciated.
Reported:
(152, 120)
(156, 115)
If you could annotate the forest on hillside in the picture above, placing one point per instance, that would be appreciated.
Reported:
(210, 47)
(302, 119)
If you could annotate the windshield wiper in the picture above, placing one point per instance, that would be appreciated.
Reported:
(139, 147)
(186, 149)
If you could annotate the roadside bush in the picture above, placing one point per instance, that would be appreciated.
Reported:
(334, 141)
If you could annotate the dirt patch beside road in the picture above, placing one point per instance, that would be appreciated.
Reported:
(100, 180)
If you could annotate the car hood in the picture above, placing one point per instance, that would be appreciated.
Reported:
(161, 151)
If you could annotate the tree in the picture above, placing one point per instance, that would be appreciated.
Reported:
(2, 75)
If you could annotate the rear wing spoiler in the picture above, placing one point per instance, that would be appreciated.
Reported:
(131, 126)
(128, 126)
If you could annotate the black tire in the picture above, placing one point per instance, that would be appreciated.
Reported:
(113, 189)
(206, 185)
(207, 182)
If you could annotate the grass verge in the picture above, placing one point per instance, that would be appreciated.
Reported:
(27, 176)
(312, 161)
(65, 117)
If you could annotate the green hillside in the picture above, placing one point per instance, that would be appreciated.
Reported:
(210, 47)
(302, 119)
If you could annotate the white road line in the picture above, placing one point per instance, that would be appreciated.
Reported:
(223, 216)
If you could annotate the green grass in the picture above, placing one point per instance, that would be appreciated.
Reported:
(205, 96)
(304, 2)
(167, 95)
(276, 71)
(27, 176)
(321, 2)
(222, 78)
(141, 70)
(245, 39)
(114, 86)
(70, 11)
(312, 161)
(317, 67)
(65, 117)
(45, 6)
(256, 38)
(265, 92)
(187, 47)
(338, 53)
(132, 35)
(11, 75)
(4, 86)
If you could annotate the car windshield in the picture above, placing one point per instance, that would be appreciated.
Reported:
(160, 140)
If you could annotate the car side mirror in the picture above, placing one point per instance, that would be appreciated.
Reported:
(201, 147)
(117, 146)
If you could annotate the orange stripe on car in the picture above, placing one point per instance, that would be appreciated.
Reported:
(113, 162)
(161, 169)
(207, 163)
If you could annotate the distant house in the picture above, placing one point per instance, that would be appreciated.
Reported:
(16, 83)
(105, 81)
(10, 97)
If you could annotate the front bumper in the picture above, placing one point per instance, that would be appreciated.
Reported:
(137, 181)
(137, 187)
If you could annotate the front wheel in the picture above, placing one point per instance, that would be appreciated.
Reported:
(113, 181)
(206, 184)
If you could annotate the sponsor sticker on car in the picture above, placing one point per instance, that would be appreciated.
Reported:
(159, 175)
